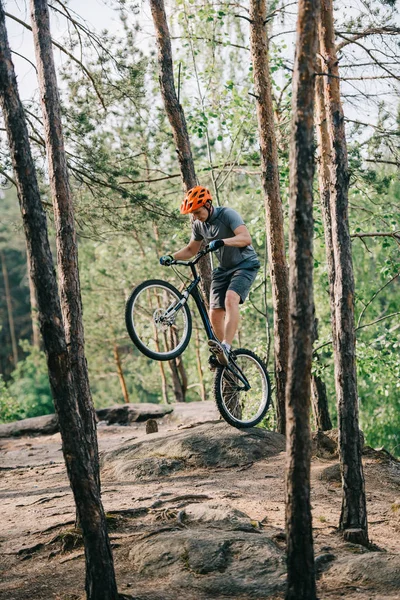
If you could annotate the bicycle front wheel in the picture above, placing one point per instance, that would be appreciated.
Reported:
(238, 406)
(156, 322)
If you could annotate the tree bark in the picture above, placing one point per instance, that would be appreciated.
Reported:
(272, 200)
(120, 374)
(199, 366)
(11, 325)
(177, 119)
(323, 166)
(353, 518)
(34, 308)
(67, 250)
(81, 469)
(179, 392)
(320, 404)
(318, 395)
(300, 553)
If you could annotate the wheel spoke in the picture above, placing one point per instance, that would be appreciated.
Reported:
(156, 332)
(244, 407)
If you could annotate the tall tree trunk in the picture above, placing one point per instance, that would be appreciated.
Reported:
(67, 250)
(199, 366)
(176, 118)
(179, 392)
(320, 404)
(300, 553)
(272, 199)
(11, 325)
(353, 518)
(323, 162)
(120, 374)
(81, 469)
(318, 395)
(34, 308)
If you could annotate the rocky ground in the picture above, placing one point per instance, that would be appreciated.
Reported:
(195, 511)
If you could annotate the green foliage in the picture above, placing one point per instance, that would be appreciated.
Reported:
(30, 384)
(10, 409)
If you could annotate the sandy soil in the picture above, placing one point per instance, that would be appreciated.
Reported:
(42, 558)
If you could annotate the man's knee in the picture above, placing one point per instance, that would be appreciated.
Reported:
(217, 313)
(232, 299)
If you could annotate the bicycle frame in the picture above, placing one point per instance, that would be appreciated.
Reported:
(193, 291)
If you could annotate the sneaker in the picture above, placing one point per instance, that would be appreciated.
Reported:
(213, 363)
(220, 352)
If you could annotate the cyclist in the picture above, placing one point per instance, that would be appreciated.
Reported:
(225, 232)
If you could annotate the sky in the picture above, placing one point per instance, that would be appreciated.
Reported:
(95, 12)
(99, 16)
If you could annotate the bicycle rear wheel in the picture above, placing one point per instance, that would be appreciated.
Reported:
(157, 324)
(241, 408)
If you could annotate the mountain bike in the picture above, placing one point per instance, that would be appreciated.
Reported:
(159, 323)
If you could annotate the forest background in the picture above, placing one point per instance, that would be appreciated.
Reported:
(127, 190)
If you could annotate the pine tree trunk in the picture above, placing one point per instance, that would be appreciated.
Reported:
(11, 325)
(120, 374)
(320, 404)
(176, 382)
(300, 553)
(324, 177)
(81, 469)
(199, 366)
(318, 395)
(272, 198)
(34, 308)
(177, 119)
(67, 250)
(353, 518)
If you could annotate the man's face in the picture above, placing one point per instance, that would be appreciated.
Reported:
(201, 214)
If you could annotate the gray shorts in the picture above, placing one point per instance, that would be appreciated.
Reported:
(239, 281)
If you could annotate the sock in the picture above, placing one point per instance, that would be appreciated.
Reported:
(227, 346)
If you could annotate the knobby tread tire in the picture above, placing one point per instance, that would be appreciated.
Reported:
(219, 400)
(131, 330)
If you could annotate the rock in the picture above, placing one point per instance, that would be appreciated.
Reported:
(216, 514)
(44, 425)
(331, 474)
(325, 443)
(151, 426)
(211, 564)
(123, 414)
(372, 569)
(207, 445)
(322, 560)
(207, 556)
(322, 445)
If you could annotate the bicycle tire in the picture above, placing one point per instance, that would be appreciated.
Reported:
(265, 400)
(134, 333)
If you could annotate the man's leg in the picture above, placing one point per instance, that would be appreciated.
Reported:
(232, 300)
(217, 318)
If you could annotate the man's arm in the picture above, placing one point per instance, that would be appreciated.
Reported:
(241, 239)
(188, 251)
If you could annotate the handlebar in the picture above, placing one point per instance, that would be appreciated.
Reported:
(194, 261)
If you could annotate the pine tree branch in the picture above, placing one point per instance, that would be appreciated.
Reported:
(362, 34)
(65, 51)
(373, 298)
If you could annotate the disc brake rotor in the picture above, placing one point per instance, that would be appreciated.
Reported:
(162, 322)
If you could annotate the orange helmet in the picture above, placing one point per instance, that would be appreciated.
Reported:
(194, 199)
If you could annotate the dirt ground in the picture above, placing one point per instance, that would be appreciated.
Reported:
(42, 557)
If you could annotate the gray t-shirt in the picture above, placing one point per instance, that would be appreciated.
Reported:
(221, 225)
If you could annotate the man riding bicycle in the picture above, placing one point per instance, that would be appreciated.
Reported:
(225, 232)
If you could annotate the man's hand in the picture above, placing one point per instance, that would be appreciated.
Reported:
(215, 244)
(166, 260)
